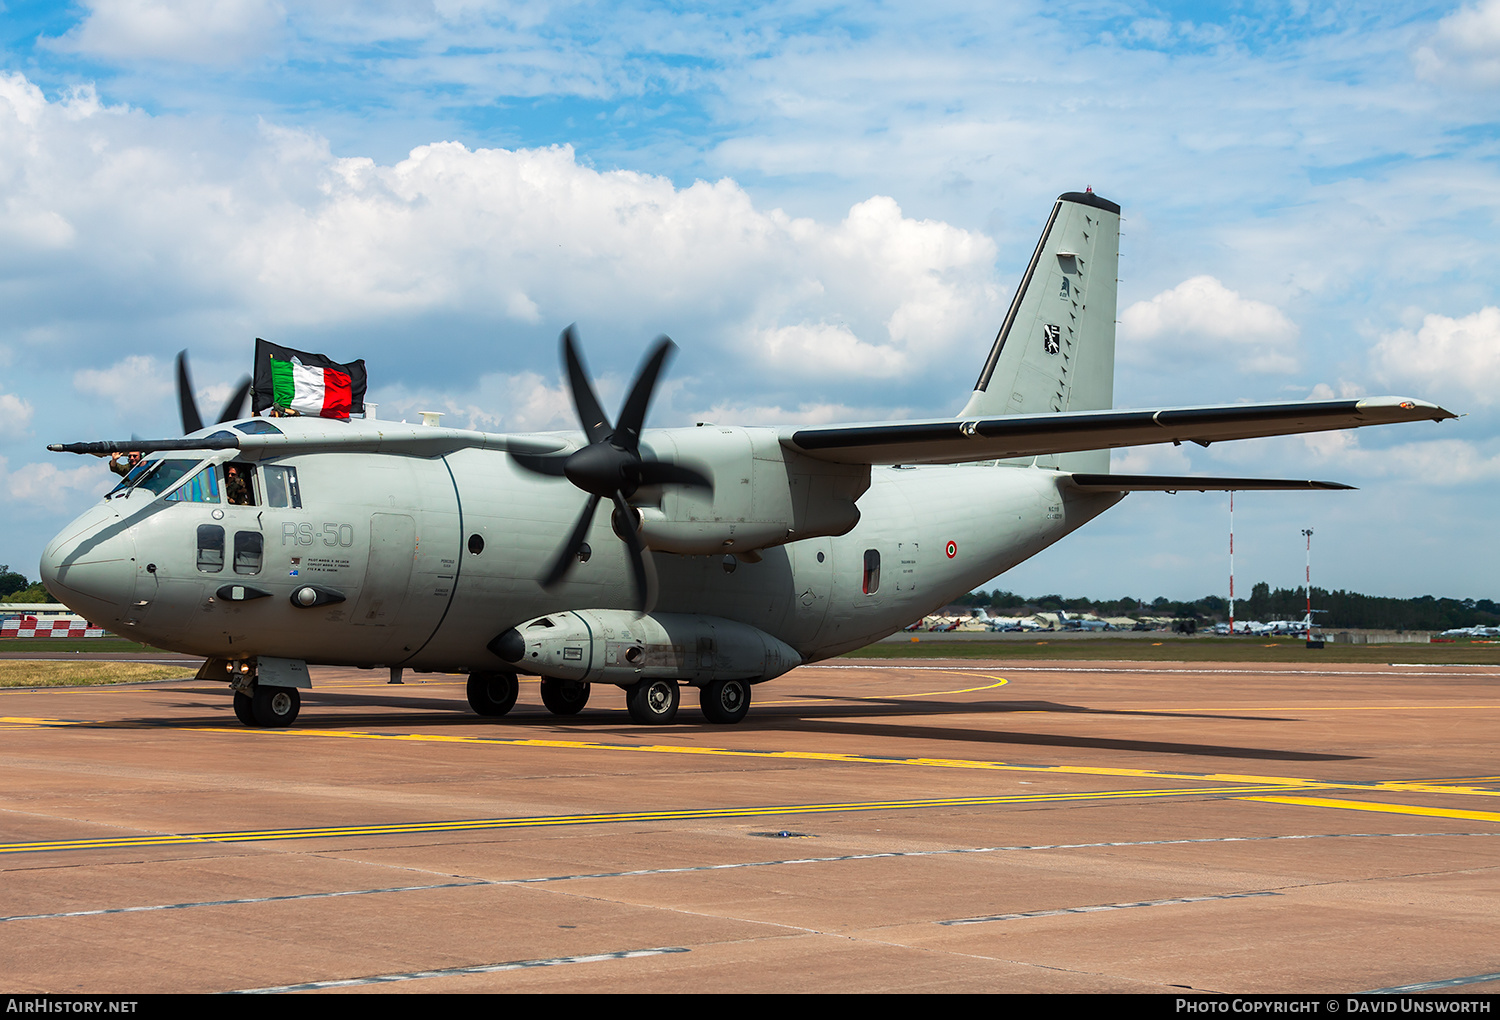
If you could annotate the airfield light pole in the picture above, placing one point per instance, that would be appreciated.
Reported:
(1231, 563)
(1308, 533)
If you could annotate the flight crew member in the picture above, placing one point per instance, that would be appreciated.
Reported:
(124, 467)
(235, 487)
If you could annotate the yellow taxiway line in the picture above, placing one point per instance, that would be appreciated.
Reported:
(1395, 809)
(524, 822)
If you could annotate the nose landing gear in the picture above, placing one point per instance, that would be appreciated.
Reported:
(270, 707)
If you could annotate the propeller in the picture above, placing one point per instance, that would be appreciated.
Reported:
(611, 466)
(192, 421)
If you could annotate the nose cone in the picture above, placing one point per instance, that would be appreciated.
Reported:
(92, 570)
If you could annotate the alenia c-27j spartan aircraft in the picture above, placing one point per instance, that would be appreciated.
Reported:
(730, 555)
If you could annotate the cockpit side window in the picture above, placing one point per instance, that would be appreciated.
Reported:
(201, 488)
(239, 483)
(279, 484)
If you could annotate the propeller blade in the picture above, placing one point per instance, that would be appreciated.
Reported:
(234, 407)
(633, 414)
(192, 421)
(661, 472)
(539, 464)
(595, 422)
(640, 559)
(565, 556)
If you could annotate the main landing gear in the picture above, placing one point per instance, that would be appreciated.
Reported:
(564, 697)
(653, 701)
(725, 701)
(493, 693)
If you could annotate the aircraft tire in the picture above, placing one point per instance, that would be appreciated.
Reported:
(275, 706)
(244, 709)
(493, 693)
(653, 702)
(564, 697)
(725, 701)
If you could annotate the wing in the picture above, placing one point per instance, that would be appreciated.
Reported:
(953, 441)
(417, 441)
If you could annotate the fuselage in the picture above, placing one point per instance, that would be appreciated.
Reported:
(426, 559)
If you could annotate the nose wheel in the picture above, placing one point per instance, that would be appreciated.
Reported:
(267, 706)
(243, 710)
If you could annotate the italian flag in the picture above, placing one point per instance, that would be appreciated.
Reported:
(324, 392)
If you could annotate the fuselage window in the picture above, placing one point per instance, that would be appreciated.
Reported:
(210, 548)
(258, 427)
(247, 550)
(239, 483)
(872, 571)
(280, 486)
(201, 488)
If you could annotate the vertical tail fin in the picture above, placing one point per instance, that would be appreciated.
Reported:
(1056, 348)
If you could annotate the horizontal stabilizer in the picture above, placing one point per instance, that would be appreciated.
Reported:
(954, 441)
(1188, 483)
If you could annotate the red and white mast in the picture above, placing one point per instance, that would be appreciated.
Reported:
(1308, 533)
(1231, 563)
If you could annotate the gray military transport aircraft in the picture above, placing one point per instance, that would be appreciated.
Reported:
(730, 556)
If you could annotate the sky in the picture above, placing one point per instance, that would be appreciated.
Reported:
(827, 206)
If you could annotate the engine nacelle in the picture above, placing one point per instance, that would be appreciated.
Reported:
(616, 646)
(763, 494)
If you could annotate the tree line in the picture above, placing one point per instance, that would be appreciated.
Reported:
(15, 587)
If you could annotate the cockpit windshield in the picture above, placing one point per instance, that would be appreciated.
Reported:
(155, 476)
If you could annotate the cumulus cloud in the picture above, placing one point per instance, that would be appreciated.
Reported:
(1346, 390)
(284, 234)
(1151, 460)
(189, 31)
(45, 486)
(728, 412)
(1465, 48)
(1204, 319)
(15, 415)
(1446, 356)
(128, 383)
(500, 402)
(822, 347)
(1438, 462)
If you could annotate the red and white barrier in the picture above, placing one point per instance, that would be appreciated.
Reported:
(57, 627)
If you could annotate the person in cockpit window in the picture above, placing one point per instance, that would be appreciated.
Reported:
(125, 466)
(235, 487)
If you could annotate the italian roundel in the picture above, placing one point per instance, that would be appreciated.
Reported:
(952, 549)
